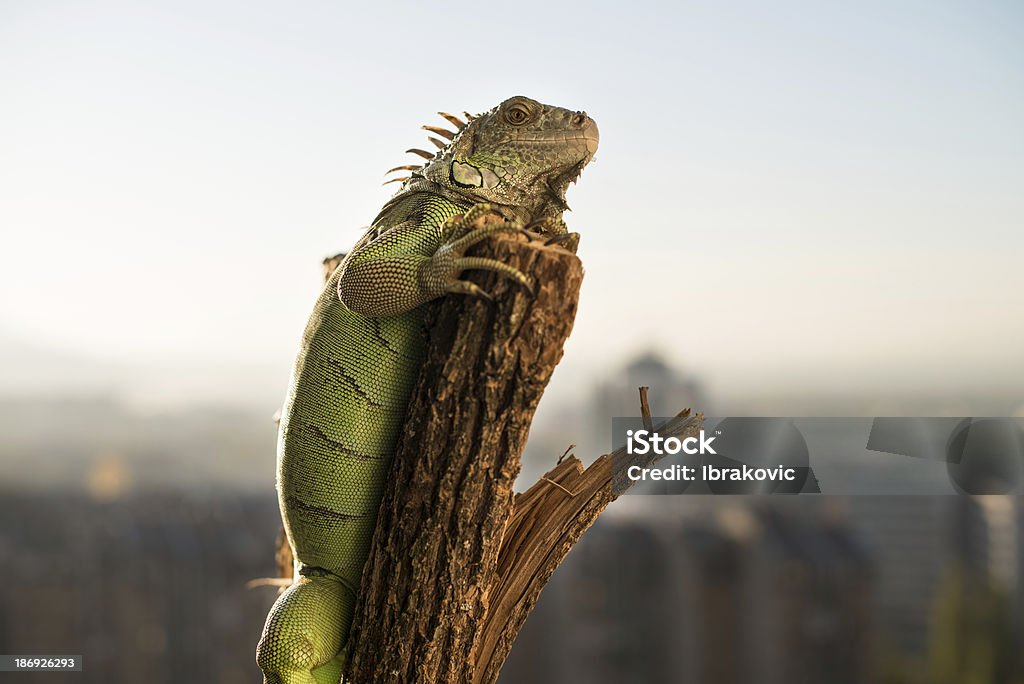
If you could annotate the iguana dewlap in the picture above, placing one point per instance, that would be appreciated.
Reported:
(364, 343)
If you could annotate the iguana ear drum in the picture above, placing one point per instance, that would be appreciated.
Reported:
(469, 176)
(466, 175)
(490, 178)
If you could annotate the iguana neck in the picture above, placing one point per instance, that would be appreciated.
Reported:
(551, 207)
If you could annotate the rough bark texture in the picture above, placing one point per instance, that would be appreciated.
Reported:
(427, 582)
(457, 562)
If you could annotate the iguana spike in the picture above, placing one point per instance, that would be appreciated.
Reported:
(444, 132)
(469, 116)
(407, 167)
(422, 153)
(440, 145)
(453, 120)
(397, 180)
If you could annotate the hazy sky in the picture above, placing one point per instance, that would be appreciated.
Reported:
(787, 194)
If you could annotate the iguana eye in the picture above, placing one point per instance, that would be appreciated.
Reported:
(517, 115)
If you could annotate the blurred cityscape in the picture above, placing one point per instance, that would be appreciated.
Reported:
(128, 537)
(893, 589)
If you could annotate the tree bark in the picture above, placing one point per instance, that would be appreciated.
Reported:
(457, 562)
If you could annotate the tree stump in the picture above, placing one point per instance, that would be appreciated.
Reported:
(457, 562)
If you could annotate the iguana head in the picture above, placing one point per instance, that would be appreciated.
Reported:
(520, 154)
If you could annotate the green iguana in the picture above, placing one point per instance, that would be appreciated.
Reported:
(363, 346)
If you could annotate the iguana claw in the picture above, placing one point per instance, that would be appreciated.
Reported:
(569, 241)
(467, 288)
(481, 221)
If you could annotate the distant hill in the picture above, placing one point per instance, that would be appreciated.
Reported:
(39, 369)
(100, 445)
(35, 370)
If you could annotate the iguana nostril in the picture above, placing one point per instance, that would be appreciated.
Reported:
(579, 118)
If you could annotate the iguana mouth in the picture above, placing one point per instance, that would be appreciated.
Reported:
(588, 136)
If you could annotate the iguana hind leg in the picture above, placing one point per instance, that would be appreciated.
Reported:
(302, 637)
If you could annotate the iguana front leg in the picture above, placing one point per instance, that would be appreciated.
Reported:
(407, 266)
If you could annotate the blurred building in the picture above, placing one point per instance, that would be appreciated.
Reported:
(908, 537)
(670, 391)
(736, 594)
(586, 421)
(147, 589)
(986, 539)
(917, 541)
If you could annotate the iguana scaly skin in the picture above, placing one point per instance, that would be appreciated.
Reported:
(505, 170)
